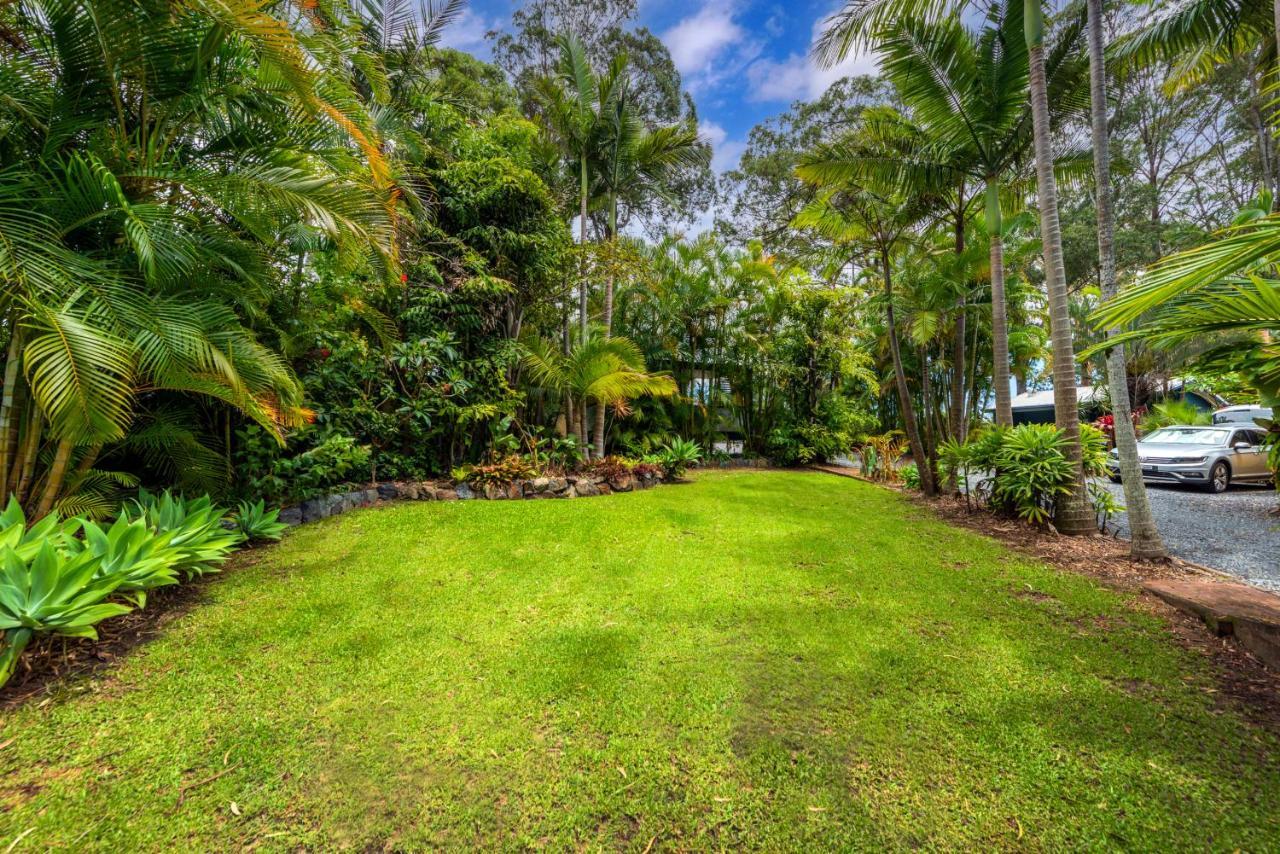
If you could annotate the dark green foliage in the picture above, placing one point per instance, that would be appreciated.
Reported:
(1029, 468)
(277, 476)
(834, 428)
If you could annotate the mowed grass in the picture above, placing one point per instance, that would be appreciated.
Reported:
(776, 660)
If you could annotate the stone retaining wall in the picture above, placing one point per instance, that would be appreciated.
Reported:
(568, 486)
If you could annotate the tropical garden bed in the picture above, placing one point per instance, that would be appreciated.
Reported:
(766, 659)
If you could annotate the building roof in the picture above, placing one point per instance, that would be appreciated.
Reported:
(1044, 399)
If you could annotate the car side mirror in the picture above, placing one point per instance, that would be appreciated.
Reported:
(1242, 446)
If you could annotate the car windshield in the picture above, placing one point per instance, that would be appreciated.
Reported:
(1188, 436)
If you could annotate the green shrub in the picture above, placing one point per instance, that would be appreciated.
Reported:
(1029, 468)
(336, 460)
(195, 526)
(1171, 412)
(1032, 470)
(910, 476)
(256, 523)
(954, 462)
(836, 426)
(132, 553)
(677, 457)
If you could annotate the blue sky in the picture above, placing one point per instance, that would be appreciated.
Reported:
(742, 60)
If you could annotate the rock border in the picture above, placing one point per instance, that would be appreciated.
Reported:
(549, 486)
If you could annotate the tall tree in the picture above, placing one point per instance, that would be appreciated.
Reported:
(969, 92)
(862, 23)
(1145, 541)
(850, 214)
(1073, 515)
(578, 104)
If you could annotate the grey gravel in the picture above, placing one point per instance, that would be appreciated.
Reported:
(1234, 531)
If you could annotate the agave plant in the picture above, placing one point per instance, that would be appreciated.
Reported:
(195, 526)
(129, 551)
(26, 541)
(255, 522)
(51, 591)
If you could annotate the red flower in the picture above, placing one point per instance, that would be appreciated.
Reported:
(325, 352)
(404, 277)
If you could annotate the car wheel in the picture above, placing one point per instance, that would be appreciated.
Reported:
(1115, 478)
(1219, 477)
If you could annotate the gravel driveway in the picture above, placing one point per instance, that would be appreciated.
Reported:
(1234, 531)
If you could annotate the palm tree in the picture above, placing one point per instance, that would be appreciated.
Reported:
(141, 201)
(850, 214)
(1072, 515)
(968, 91)
(636, 162)
(599, 371)
(577, 103)
(1144, 536)
(1222, 296)
(862, 22)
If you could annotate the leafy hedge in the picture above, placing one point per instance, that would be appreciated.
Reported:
(1021, 471)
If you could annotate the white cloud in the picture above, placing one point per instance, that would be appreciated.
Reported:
(724, 151)
(697, 41)
(710, 46)
(467, 33)
(800, 76)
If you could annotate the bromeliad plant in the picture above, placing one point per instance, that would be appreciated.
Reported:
(677, 457)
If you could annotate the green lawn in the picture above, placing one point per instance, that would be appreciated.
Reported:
(768, 660)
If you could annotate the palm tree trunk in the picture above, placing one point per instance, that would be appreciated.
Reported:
(927, 485)
(32, 447)
(1145, 541)
(609, 283)
(608, 316)
(8, 413)
(57, 474)
(999, 312)
(926, 397)
(1073, 514)
(956, 410)
(599, 431)
(582, 266)
(582, 430)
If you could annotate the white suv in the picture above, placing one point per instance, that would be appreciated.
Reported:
(1245, 412)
